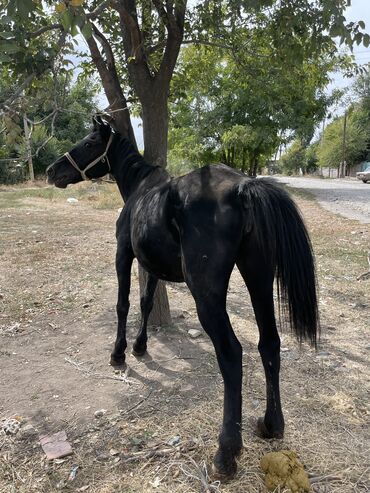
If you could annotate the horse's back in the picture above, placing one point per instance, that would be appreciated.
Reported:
(212, 182)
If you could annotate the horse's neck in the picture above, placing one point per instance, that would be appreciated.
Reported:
(130, 169)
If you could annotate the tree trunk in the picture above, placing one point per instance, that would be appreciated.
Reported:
(255, 166)
(244, 155)
(29, 148)
(155, 130)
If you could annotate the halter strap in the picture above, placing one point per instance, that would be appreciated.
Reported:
(103, 157)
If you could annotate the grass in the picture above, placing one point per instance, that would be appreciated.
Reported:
(98, 195)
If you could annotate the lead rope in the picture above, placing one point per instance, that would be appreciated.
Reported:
(103, 158)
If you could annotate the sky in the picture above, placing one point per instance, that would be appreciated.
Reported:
(358, 10)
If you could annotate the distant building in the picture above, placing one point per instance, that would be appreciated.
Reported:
(350, 170)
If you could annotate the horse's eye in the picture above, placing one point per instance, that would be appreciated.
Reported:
(87, 144)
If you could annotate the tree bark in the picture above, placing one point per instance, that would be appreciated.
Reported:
(244, 154)
(29, 148)
(155, 131)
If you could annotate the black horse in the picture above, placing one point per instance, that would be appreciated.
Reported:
(195, 228)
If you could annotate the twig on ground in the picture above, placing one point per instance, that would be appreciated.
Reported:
(146, 454)
(135, 406)
(100, 376)
(365, 275)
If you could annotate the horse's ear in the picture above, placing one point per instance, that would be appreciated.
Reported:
(97, 121)
(108, 118)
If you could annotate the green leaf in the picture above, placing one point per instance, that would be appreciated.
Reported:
(361, 24)
(74, 30)
(5, 19)
(4, 57)
(12, 8)
(6, 35)
(10, 48)
(86, 31)
(366, 40)
(25, 7)
(66, 20)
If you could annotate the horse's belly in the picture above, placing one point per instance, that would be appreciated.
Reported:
(160, 258)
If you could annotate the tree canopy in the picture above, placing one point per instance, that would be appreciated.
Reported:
(56, 113)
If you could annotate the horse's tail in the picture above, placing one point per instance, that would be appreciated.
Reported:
(283, 239)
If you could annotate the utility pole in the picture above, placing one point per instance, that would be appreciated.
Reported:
(28, 147)
(322, 143)
(343, 165)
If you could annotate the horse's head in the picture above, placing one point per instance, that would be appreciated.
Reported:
(88, 159)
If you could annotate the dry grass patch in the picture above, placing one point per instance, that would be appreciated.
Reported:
(159, 431)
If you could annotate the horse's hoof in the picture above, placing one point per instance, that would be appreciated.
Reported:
(223, 467)
(263, 431)
(138, 351)
(117, 362)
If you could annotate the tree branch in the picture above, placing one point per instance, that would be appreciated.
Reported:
(5, 105)
(163, 14)
(99, 9)
(106, 48)
(207, 43)
(175, 32)
(111, 84)
(43, 30)
(90, 16)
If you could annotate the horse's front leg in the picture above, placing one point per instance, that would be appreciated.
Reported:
(124, 260)
(146, 305)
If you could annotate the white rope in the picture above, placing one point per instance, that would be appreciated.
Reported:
(103, 157)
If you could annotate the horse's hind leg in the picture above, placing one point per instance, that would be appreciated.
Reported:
(215, 321)
(259, 280)
(207, 275)
(146, 305)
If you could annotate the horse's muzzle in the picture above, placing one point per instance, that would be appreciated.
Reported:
(50, 174)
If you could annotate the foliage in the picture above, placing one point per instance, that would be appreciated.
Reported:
(244, 108)
(330, 151)
(187, 152)
(292, 160)
(267, 68)
(244, 146)
(63, 107)
(44, 150)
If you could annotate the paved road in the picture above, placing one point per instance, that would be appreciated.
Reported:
(350, 198)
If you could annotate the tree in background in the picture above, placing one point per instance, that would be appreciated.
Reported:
(244, 147)
(55, 113)
(347, 137)
(255, 96)
(330, 153)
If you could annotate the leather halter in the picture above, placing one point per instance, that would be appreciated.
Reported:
(103, 158)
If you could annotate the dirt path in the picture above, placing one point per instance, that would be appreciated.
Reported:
(349, 198)
(57, 326)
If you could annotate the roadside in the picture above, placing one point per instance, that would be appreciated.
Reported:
(349, 198)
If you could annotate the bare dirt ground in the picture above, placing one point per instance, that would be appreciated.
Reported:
(57, 327)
